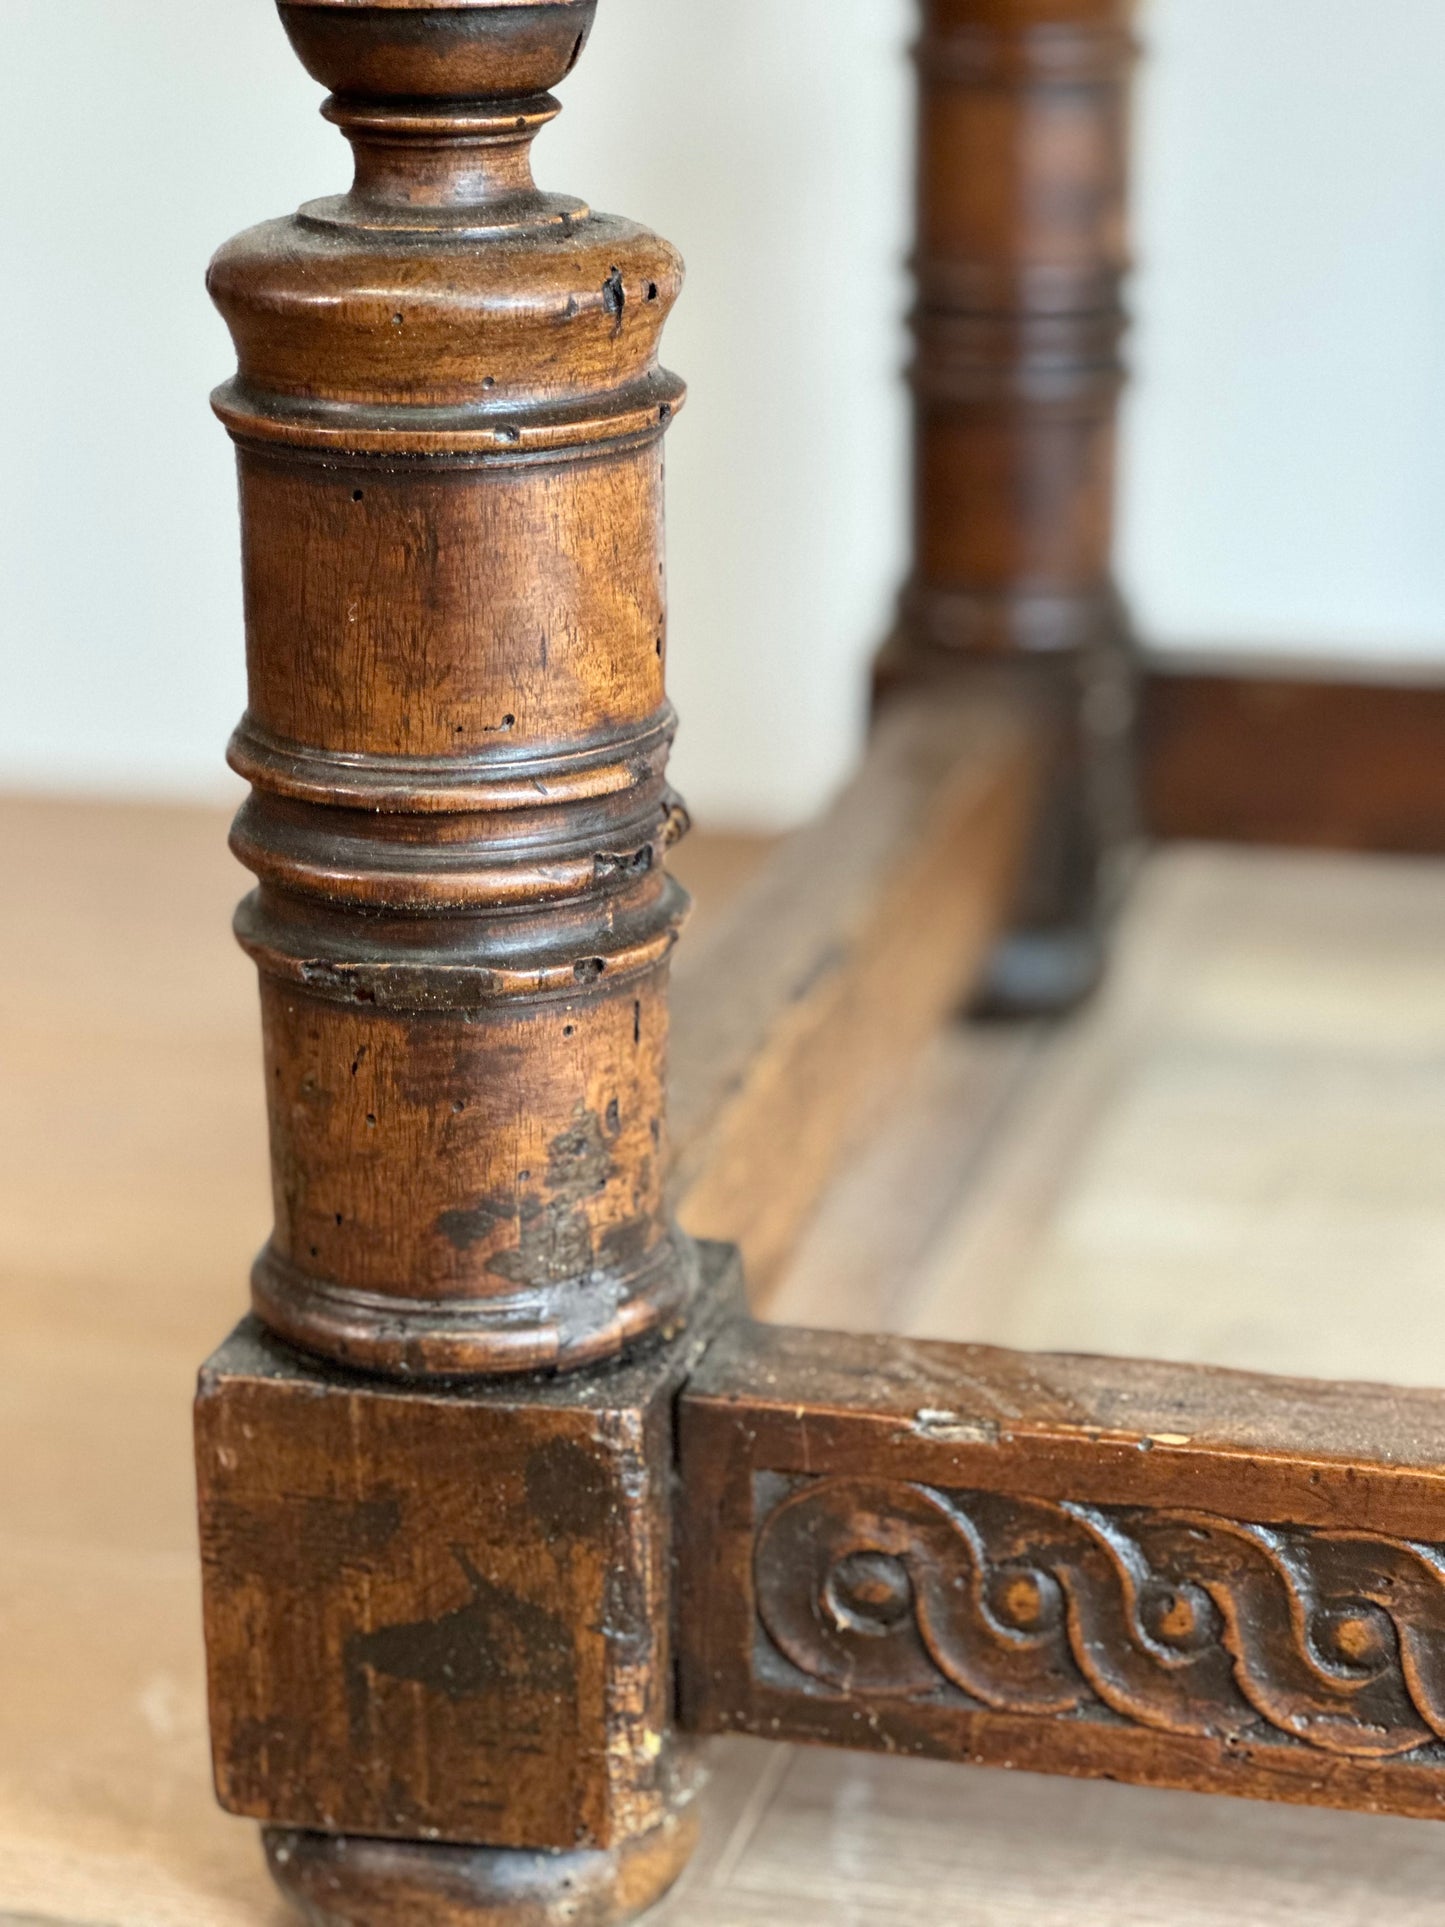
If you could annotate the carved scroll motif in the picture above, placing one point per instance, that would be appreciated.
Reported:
(1180, 1621)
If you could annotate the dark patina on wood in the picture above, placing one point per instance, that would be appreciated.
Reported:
(437, 1611)
(1021, 253)
(1304, 755)
(443, 1613)
(867, 928)
(1157, 1573)
(448, 415)
(498, 1452)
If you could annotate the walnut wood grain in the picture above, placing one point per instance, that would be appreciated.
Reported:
(121, 1264)
(433, 1620)
(443, 1614)
(1308, 757)
(798, 1022)
(1158, 1573)
(1021, 253)
(448, 415)
(471, 1480)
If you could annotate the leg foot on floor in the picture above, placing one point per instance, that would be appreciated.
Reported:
(1041, 973)
(337, 1880)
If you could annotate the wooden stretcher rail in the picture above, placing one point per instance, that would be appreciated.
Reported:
(445, 1466)
(861, 934)
(1156, 1573)
(1314, 756)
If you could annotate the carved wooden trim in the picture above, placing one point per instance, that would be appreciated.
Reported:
(441, 1611)
(1158, 1573)
(1181, 1621)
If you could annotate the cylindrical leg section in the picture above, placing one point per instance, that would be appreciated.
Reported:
(436, 1467)
(1020, 258)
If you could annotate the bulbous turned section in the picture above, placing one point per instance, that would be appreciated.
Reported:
(448, 411)
(440, 104)
(438, 49)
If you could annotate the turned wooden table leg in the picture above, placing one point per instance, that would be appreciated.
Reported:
(436, 1590)
(1021, 253)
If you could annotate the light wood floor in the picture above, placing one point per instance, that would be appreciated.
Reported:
(1236, 1155)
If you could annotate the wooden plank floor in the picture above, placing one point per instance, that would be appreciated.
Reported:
(1236, 1155)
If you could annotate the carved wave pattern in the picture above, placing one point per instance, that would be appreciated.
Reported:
(1175, 1620)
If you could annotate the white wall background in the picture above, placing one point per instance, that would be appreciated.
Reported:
(1284, 482)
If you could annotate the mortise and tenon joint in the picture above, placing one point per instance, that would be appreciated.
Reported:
(495, 1458)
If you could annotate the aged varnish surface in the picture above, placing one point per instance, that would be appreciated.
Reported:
(502, 1499)
(866, 929)
(438, 1619)
(1021, 252)
(126, 1264)
(448, 414)
(442, 1615)
(1307, 755)
(1159, 1573)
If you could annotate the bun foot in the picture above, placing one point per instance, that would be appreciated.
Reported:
(339, 1880)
